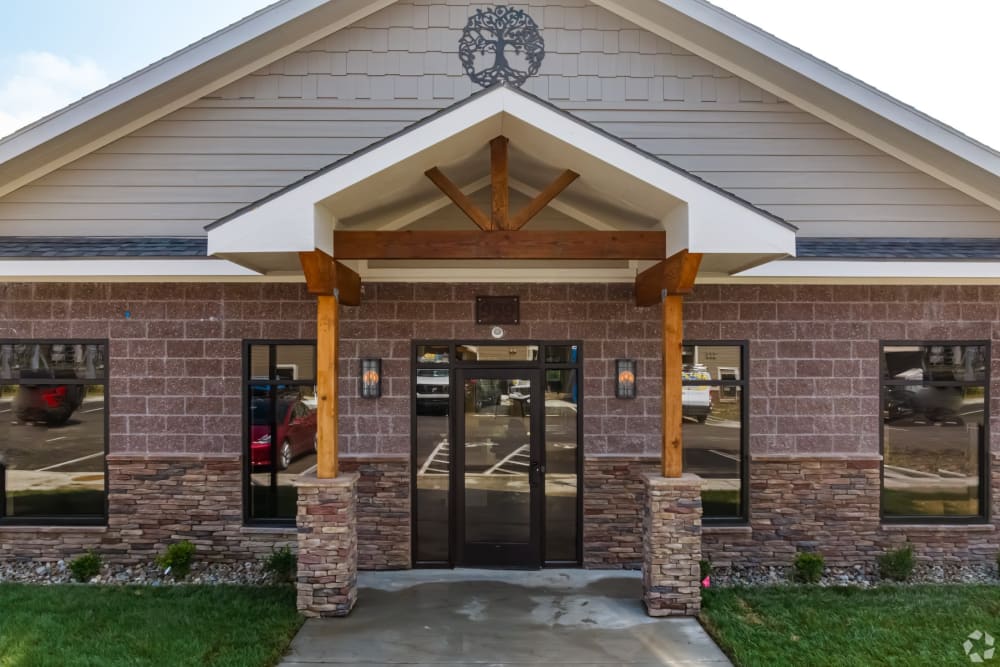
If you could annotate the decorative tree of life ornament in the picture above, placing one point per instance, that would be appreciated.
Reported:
(502, 44)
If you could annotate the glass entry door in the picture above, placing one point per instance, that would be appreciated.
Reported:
(500, 467)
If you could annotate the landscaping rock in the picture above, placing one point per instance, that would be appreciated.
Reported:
(247, 573)
(857, 575)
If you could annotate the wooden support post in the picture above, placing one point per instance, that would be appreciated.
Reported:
(673, 342)
(498, 183)
(327, 376)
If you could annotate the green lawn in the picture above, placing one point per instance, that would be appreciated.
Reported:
(890, 625)
(109, 625)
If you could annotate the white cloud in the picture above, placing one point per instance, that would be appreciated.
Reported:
(40, 83)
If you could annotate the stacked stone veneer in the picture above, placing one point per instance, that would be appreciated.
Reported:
(671, 540)
(613, 496)
(327, 581)
(383, 511)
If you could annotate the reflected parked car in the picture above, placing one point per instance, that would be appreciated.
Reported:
(432, 391)
(48, 404)
(295, 430)
(696, 401)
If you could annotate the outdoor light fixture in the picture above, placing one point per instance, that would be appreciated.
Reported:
(624, 378)
(371, 378)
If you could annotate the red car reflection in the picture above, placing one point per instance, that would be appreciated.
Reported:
(50, 404)
(295, 431)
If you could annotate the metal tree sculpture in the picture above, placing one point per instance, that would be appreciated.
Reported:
(494, 32)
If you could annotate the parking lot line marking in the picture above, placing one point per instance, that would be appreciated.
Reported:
(61, 437)
(2, 411)
(92, 410)
(66, 463)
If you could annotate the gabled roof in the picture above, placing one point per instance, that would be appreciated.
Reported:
(695, 25)
(696, 216)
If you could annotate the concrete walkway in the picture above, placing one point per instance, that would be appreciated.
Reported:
(502, 617)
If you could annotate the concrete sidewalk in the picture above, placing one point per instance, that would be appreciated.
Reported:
(502, 617)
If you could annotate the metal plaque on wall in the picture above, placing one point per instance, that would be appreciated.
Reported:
(498, 310)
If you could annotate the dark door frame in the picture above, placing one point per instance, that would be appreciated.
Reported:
(454, 366)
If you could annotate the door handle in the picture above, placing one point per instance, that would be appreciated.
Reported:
(535, 473)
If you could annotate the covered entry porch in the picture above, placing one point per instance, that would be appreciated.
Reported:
(481, 193)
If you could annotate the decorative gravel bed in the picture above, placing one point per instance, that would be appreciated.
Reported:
(864, 577)
(246, 573)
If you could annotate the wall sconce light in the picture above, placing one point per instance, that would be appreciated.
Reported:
(624, 378)
(371, 378)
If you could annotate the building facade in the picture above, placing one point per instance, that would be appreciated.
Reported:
(735, 263)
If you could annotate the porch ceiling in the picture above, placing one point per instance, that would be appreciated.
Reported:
(385, 188)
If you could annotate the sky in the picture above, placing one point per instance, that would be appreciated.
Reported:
(939, 56)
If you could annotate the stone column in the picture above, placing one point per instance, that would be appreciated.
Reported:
(328, 545)
(671, 541)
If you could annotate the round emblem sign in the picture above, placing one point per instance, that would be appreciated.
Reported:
(502, 44)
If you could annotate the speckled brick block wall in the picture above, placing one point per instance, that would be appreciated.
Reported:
(175, 374)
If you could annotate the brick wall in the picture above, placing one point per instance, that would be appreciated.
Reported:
(175, 383)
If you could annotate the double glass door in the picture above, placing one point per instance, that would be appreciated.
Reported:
(496, 454)
(500, 463)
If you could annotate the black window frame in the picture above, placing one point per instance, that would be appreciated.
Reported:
(984, 446)
(247, 382)
(743, 384)
(104, 381)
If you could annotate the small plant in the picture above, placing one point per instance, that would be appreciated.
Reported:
(705, 567)
(808, 567)
(896, 565)
(85, 567)
(282, 564)
(177, 559)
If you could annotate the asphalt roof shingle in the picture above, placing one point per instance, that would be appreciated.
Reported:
(27, 247)
(897, 248)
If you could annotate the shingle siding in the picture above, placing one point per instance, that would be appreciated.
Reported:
(399, 65)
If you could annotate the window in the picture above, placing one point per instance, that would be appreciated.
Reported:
(713, 405)
(53, 431)
(934, 420)
(280, 426)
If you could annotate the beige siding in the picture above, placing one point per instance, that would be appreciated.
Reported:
(366, 82)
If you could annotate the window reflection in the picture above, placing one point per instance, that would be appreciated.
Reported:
(932, 441)
(561, 461)
(713, 383)
(281, 429)
(52, 430)
(433, 464)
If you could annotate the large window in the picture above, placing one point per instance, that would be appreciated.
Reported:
(713, 405)
(934, 421)
(53, 431)
(279, 426)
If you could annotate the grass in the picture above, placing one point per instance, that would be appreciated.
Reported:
(93, 626)
(841, 627)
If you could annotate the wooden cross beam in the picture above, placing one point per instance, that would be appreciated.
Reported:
(473, 244)
(675, 275)
(327, 277)
(499, 218)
